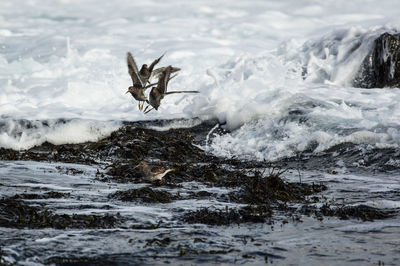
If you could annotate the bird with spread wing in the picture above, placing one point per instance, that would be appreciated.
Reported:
(141, 78)
(158, 93)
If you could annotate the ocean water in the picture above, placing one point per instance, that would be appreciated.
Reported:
(310, 242)
(65, 60)
(63, 78)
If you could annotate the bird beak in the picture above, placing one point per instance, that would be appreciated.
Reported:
(129, 90)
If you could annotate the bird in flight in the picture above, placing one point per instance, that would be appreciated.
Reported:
(140, 79)
(158, 93)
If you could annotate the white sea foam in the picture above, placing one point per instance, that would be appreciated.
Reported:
(176, 124)
(66, 60)
(23, 134)
(282, 115)
(384, 204)
(369, 227)
(335, 57)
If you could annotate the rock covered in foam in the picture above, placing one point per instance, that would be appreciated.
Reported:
(381, 67)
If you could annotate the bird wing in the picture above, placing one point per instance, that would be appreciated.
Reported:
(155, 62)
(133, 70)
(175, 69)
(157, 72)
(156, 169)
(163, 80)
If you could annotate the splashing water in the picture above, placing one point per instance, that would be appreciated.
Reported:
(283, 70)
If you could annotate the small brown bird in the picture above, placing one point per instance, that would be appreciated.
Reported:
(152, 172)
(158, 93)
(142, 77)
(146, 73)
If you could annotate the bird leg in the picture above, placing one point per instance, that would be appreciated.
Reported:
(141, 107)
(148, 110)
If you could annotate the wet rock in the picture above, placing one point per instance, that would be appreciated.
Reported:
(18, 214)
(118, 155)
(190, 251)
(81, 221)
(207, 173)
(363, 212)
(271, 188)
(145, 194)
(8, 154)
(76, 261)
(159, 242)
(248, 214)
(128, 143)
(381, 67)
(267, 198)
(47, 195)
(202, 195)
(122, 172)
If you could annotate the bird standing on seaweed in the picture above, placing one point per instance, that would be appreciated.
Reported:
(153, 172)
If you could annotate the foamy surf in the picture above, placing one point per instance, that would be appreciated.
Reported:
(25, 134)
(273, 107)
(277, 75)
